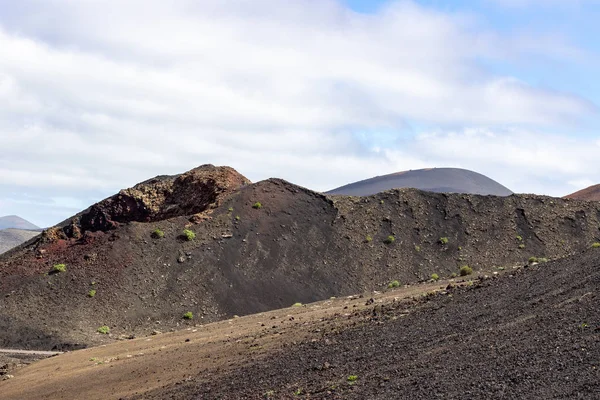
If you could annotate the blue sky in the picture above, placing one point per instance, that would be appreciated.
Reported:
(356, 88)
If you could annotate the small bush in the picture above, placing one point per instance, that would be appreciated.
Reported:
(257, 205)
(59, 268)
(105, 330)
(453, 275)
(435, 277)
(533, 260)
(369, 239)
(393, 284)
(158, 234)
(444, 240)
(465, 270)
(237, 217)
(188, 315)
(417, 249)
(519, 238)
(189, 235)
(352, 378)
(91, 293)
(542, 260)
(521, 246)
(596, 245)
(297, 305)
(230, 209)
(390, 239)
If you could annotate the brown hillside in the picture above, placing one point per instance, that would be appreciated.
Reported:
(591, 193)
(527, 333)
(300, 246)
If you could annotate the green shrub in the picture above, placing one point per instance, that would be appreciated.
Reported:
(189, 235)
(59, 268)
(465, 270)
(158, 234)
(230, 209)
(237, 217)
(188, 315)
(453, 275)
(390, 239)
(521, 246)
(297, 305)
(435, 277)
(91, 293)
(519, 238)
(417, 248)
(542, 260)
(369, 239)
(257, 205)
(352, 378)
(596, 245)
(105, 330)
(393, 284)
(533, 260)
(444, 240)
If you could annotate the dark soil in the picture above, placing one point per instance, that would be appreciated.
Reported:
(533, 334)
(300, 246)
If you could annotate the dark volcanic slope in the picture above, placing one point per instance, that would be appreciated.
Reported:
(441, 180)
(589, 193)
(530, 335)
(13, 221)
(10, 238)
(299, 246)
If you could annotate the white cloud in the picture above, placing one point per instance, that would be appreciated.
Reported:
(98, 95)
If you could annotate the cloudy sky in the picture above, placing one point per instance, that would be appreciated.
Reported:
(97, 95)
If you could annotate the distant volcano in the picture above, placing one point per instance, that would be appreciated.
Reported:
(440, 180)
(589, 193)
(13, 221)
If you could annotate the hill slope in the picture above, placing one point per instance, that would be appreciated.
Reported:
(441, 180)
(13, 221)
(530, 332)
(10, 238)
(591, 193)
(298, 246)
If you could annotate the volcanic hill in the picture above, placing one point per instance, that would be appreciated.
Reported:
(257, 247)
(591, 193)
(440, 180)
(15, 222)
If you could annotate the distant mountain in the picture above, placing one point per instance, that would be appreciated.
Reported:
(590, 193)
(440, 180)
(10, 238)
(13, 221)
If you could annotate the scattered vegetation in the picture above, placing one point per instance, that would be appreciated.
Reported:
(189, 235)
(435, 277)
(417, 249)
(466, 270)
(390, 239)
(298, 392)
(158, 234)
(369, 239)
(444, 240)
(188, 315)
(237, 217)
(91, 293)
(59, 268)
(596, 245)
(393, 284)
(453, 275)
(352, 378)
(519, 238)
(459, 248)
(521, 246)
(297, 305)
(105, 330)
(538, 260)
(533, 260)
(257, 205)
(230, 209)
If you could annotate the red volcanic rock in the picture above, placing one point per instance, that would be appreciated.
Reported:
(161, 198)
(591, 193)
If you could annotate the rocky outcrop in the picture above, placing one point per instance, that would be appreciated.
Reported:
(160, 198)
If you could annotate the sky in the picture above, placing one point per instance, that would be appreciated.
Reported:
(98, 95)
